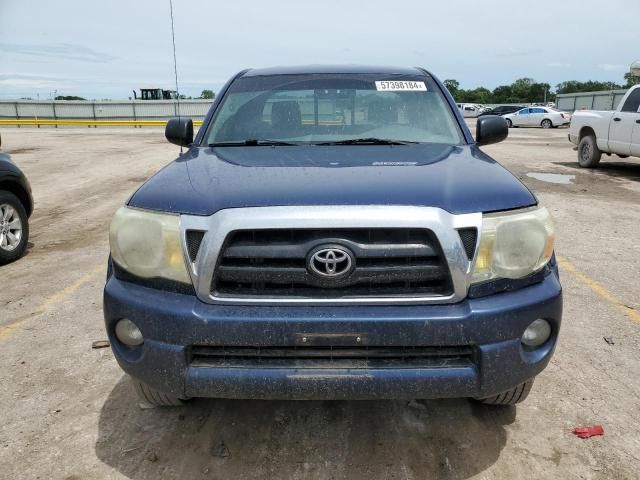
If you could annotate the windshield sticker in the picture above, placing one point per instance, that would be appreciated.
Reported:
(401, 85)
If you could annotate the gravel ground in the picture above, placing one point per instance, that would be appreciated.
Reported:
(68, 412)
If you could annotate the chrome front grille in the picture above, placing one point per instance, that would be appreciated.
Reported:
(260, 255)
(386, 262)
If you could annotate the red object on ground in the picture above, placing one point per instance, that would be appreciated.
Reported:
(588, 432)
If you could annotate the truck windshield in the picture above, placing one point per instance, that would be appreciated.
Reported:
(326, 109)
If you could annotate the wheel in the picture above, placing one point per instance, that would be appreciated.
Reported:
(588, 152)
(509, 123)
(622, 156)
(156, 397)
(546, 123)
(510, 397)
(14, 228)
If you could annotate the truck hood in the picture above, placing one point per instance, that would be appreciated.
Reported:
(458, 179)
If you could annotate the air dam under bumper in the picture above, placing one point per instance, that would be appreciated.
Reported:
(492, 326)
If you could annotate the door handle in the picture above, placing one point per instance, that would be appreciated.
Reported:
(638, 121)
(617, 119)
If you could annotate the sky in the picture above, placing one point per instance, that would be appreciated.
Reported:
(105, 49)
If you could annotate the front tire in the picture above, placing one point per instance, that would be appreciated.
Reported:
(510, 397)
(588, 152)
(14, 228)
(155, 397)
(546, 123)
(509, 123)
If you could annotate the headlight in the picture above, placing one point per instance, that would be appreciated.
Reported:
(513, 244)
(147, 244)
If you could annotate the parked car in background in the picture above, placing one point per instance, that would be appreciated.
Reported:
(502, 110)
(544, 117)
(596, 132)
(16, 205)
(471, 110)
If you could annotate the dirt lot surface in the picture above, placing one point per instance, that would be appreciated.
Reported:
(68, 412)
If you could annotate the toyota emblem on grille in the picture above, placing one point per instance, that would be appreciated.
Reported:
(331, 261)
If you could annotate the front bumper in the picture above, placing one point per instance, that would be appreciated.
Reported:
(492, 325)
(573, 138)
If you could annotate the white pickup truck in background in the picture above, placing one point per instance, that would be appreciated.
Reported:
(471, 110)
(596, 132)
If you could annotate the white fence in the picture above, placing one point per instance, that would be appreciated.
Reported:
(105, 110)
(605, 100)
(197, 109)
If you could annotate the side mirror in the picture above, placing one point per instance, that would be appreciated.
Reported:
(179, 131)
(491, 129)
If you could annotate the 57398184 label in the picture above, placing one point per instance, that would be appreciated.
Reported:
(400, 85)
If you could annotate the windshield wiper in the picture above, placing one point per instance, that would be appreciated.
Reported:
(368, 141)
(253, 142)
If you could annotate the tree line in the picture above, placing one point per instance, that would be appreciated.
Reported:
(527, 90)
(205, 95)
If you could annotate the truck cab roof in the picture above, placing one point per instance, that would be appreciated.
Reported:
(328, 69)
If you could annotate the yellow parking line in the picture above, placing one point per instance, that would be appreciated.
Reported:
(7, 330)
(599, 289)
(88, 122)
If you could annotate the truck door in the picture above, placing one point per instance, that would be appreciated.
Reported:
(469, 111)
(623, 124)
(635, 138)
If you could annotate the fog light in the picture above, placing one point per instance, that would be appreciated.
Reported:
(537, 333)
(128, 333)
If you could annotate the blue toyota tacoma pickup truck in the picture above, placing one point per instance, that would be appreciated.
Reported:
(333, 233)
